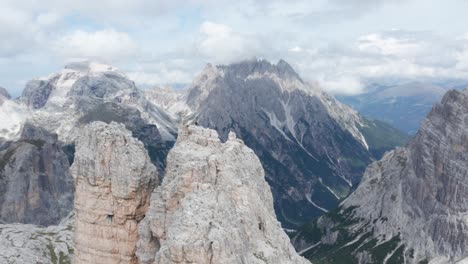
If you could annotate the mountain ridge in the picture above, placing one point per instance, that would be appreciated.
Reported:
(412, 200)
(274, 111)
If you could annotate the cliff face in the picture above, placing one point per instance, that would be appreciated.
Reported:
(35, 183)
(114, 178)
(214, 206)
(4, 95)
(412, 204)
(313, 148)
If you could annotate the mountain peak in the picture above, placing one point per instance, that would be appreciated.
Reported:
(258, 66)
(4, 93)
(213, 194)
(55, 89)
(285, 67)
(414, 196)
(454, 96)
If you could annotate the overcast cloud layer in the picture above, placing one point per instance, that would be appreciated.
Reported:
(338, 43)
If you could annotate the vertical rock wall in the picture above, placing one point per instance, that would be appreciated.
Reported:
(114, 178)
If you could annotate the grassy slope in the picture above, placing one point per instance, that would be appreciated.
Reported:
(382, 137)
(342, 251)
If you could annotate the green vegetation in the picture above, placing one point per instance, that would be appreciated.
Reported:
(379, 252)
(62, 257)
(397, 257)
(53, 256)
(382, 137)
(356, 163)
(69, 150)
(348, 244)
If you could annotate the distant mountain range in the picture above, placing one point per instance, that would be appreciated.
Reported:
(401, 103)
(314, 149)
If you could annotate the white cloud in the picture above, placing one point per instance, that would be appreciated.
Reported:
(159, 74)
(462, 54)
(338, 42)
(48, 18)
(221, 44)
(107, 45)
(346, 85)
(18, 32)
(295, 49)
(397, 54)
(388, 45)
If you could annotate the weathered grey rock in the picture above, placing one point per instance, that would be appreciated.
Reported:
(4, 95)
(85, 92)
(114, 178)
(214, 206)
(312, 147)
(37, 92)
(36, 186)
(172, 101)
(20, 243)
(414, 200)
(147, 133)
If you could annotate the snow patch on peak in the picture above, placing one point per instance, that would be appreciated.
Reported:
(13, 116)
(67, 77)
(90, 67)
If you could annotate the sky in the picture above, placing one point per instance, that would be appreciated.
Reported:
(337, 43)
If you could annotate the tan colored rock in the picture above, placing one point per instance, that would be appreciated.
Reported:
(114, 178)
(214, 206)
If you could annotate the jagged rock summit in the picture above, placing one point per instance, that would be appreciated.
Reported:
(83, 91)
(411, 206)
(56, 89)
(313, 148)
(114, 178)
(214, 206)
(4, 95)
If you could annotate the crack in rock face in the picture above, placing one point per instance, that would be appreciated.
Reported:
(214, 206)
(114, 178)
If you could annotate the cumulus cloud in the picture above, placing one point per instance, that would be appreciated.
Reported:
(388, 45)
(344, 85)
(295, 49)
(18, 31)
(159, 75)
(336, 42)
(342, 68)
(462, 54)
(221, 44)
(106, 45)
